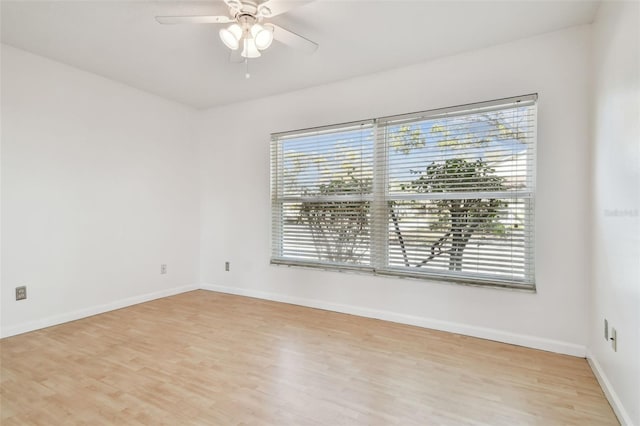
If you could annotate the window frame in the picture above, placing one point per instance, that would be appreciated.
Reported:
(380, 198)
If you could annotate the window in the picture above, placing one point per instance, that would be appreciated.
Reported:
(444, 194)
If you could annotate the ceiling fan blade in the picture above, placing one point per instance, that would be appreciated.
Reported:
(234, 4)
(294, 40)
(194, 19)
(278, 7)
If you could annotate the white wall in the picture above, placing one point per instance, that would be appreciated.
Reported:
(99, 187)
(615, 252)
(234, 144)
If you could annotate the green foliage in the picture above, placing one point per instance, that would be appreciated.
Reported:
(405, 139)
(459, 218)
(340, 229)
(456, 175)
(348, 183)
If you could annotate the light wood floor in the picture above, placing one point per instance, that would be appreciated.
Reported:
(212, 359)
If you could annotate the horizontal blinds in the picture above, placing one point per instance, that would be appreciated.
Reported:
(460, 187)
(446, 193)
(322, 191)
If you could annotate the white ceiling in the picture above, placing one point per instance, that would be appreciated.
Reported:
(189, 64)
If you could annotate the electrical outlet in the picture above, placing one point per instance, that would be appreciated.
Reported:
(21, 292)
(606, 330)
(163, 268)
(614, 339)
(227, 266)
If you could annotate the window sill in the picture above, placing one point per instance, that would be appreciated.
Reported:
(391, 273)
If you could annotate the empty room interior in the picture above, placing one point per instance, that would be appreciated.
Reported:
(320, 212)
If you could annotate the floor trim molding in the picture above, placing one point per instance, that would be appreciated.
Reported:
(459, 328)
(609, 392)
(94, 310)
(465, 329)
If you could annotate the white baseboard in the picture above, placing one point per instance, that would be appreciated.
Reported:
(94, 310)
(465, 329)
(468, 330)
(610, 393)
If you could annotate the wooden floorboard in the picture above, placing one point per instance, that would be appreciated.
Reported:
(205, 358)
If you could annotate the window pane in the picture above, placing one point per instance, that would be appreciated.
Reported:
(459, 190)
(323, 187)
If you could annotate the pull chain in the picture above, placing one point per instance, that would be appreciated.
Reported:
(246, 64)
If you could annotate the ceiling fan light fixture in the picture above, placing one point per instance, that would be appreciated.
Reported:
(263, 36)
(250, 50)
(231, 36)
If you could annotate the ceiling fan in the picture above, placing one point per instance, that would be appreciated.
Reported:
(248, 34)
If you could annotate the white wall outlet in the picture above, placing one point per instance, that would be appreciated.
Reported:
(614, 339)
(21, 292)
(163, 268)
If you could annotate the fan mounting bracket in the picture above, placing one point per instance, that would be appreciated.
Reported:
(240, 8)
